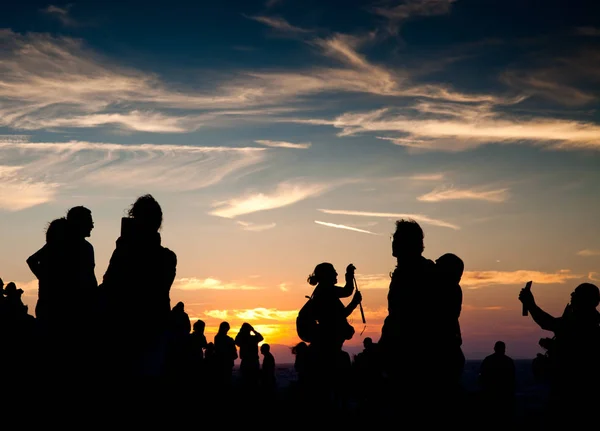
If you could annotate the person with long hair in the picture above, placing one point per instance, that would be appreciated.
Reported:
(136, 286)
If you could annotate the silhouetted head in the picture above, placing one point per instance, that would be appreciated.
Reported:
(56, 231)
(324, 273)
(299, 348)
(210, 348)
(179, 307)
(1, 284)
(368, 342)
(224, 328)
(11, 290)
(407, 241)
(265, 348)
(246, 328)
(147, 212)
(199, 326)
(500, 347)
(80, 221)
(585, 297)
(451, 267)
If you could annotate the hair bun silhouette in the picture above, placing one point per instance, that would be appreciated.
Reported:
(313, 280)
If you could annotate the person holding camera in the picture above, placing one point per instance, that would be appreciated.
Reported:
(333, 329)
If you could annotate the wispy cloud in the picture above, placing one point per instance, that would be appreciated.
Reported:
(570, 80)
(453, 132)
(447, 194)
(284, 144)
(396, 14)
(286, 193)
(417, 217)
(279, 23)
(267, 314)
(373, 281)
(35, 172)
(588, 253)
(210, 284)
(477, 279)
(254, 314)
(594, 276)
(427, 177)
(19, 191)
(341, 226)
(63, 14)
(254, 227)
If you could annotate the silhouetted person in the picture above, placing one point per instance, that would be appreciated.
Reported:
(497, 379)
(367, 371)
(57, 305)
(405, 344)
(247, 340)
(211, 369)
(178, 358)
(17, 341)
(197, 345)
(326, 359)
(80, 225)
(575, 375)
(225, 356)
(301, 361)
(136, 286)
(268, 381)
(450, 360)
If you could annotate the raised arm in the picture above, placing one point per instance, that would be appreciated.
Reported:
(353, 304)
(539, 316)
(259, 337)
(346, 291)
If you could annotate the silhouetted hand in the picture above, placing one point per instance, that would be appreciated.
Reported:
(357, 297)
(526, 297)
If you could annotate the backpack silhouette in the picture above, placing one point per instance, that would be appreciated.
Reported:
(306, 322)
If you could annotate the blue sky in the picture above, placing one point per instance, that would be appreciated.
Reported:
(280, 134)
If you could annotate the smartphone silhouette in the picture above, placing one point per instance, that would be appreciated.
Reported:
(528, 287)
(127, 226)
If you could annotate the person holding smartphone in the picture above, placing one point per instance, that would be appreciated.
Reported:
(575, 355)
(136, 285)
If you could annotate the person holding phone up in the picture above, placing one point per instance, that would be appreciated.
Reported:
(575, 360)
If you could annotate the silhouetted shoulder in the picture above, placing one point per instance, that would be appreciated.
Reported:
(170, 256)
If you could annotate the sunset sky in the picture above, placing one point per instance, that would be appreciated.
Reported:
(280, 134)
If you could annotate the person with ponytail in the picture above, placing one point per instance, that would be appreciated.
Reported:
(333, 328)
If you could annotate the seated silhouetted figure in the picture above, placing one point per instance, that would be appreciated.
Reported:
(268, 381)
(574, 354)
(136, 286)
(225, 356)
(497, 379)
(18, 334)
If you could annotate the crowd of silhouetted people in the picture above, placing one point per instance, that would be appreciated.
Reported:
(123, 333)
